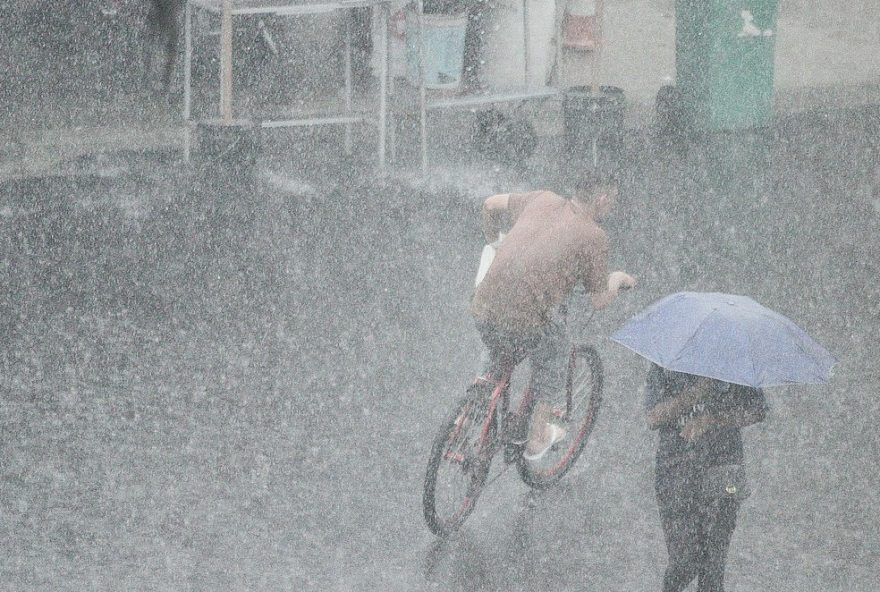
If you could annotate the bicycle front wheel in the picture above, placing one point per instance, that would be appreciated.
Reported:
(458, 465)
(583, 397)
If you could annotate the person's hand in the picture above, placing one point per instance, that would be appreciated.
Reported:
(621, 280)
(692, 394)
(696, 427)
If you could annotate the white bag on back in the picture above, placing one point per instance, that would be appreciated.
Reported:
(486, 258)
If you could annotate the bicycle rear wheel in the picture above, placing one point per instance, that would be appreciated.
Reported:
(583, 397)
(458, 465)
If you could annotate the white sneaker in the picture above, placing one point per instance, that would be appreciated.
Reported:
(557, 433)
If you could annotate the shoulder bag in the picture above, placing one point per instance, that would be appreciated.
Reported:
(726, 482)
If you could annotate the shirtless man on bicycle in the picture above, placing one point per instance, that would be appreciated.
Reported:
(554, 244)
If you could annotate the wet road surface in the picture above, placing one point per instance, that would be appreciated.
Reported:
(252, 410)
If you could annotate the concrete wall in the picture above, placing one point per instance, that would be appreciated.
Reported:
(860, 13)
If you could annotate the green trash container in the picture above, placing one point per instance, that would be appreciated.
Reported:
(724, 53)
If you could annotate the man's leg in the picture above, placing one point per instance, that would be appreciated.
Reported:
(549, 360)
(680, 518)
(361, 20)
(719, 520)
(473, 46)
(501, 350)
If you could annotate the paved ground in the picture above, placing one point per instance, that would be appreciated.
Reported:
(197, 404)
(193, 404)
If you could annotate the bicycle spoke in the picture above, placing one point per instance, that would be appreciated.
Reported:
(578, 405)
(581, 388)
(579, 416)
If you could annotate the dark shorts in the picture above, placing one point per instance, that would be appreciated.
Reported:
(547, 348)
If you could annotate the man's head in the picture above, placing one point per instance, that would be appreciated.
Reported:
(598, 190)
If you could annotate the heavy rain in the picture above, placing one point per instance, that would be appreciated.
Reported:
(239, 242)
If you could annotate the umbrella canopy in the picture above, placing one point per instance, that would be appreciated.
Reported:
(726, 337)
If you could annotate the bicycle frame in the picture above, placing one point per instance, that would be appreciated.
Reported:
(500, 393)
(501, 397)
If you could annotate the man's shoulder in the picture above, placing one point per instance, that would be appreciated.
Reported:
(540, 196)
(530, 204)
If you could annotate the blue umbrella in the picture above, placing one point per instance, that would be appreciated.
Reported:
(726, 337)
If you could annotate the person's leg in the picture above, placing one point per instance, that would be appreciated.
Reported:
(549, 358)
(502, 350)
(473, 46)
(679, 517)
(719, 520)
(360, 20)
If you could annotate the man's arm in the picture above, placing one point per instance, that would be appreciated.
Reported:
(494, 209)
(602, 286)
(669, 410)
(616, 281)
(740, 418)
(695, 428)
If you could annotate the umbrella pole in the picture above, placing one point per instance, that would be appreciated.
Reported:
(595, 56)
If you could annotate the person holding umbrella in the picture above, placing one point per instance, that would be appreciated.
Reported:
(712, 354)
(699, 420)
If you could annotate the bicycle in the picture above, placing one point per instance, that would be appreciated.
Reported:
(481, 425)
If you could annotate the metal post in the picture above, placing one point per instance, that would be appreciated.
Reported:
(383, 83)
(392, 131)
(187, 61)
(598, 49)
(525, 4)
(420, 7)
(347, 16)
(560, 55)
(187, 77)
(226, 62)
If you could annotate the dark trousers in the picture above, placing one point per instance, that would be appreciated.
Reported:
(547, 348)
(473, 43)
(697, 532)
(360, 23)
